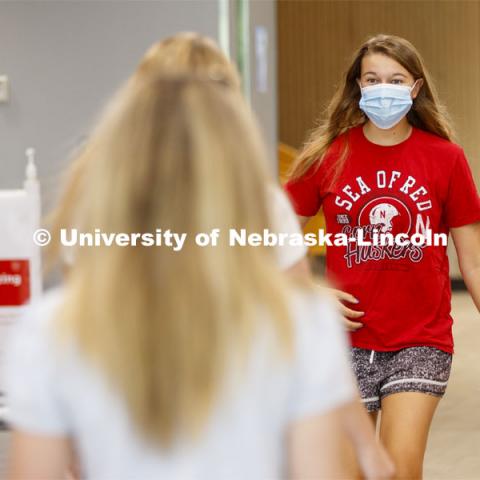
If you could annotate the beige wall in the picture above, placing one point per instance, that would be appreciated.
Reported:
(317, 38)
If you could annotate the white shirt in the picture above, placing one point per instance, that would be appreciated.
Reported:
(284, 220)
(53, 390)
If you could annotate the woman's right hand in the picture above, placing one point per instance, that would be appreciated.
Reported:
(346, 312)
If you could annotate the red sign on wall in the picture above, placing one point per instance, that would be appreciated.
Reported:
(14, 282)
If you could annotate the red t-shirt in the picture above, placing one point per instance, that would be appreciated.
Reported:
(422, 182)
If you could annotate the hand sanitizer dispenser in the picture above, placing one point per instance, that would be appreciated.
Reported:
(20, 266)
(20, 276)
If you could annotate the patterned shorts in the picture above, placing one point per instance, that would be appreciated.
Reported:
(415, 369)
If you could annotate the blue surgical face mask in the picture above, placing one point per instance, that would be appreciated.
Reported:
(386, 104)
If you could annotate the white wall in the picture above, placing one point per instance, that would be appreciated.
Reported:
(64, 59)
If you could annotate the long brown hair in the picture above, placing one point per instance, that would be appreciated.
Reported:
(165, 326)
(343, 111)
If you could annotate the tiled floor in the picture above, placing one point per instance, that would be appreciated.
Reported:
(454, 446)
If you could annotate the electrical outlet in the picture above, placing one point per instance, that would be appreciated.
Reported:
(3, 88)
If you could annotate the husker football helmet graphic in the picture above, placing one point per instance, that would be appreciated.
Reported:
(390, 213)
(382, 214)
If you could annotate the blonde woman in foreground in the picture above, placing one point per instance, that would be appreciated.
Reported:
(204, 363)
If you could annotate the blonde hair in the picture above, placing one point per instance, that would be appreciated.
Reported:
(164, 326)
(188, 52)
(183, 53)
(343, 112)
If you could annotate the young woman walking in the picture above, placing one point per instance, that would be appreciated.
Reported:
(383, 159)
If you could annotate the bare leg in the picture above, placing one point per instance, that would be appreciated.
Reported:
(350, 456)
(404, 427)
(374, 417)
